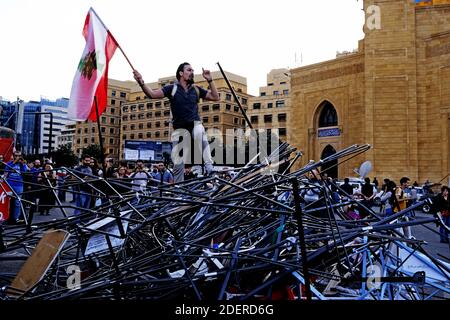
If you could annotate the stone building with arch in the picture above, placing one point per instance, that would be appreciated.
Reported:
(393, 93)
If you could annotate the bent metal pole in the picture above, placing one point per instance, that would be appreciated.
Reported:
(235, 96)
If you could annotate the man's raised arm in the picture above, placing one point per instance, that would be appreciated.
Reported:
(152, 94)
(212, 94)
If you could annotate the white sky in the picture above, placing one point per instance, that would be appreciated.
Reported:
(41, 41)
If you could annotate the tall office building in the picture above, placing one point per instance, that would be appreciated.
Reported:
(271, 109)
(58, 109)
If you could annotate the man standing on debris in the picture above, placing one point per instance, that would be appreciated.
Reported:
(184, 96)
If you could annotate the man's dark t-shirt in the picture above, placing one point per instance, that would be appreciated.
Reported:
(184, 105)
(367, 190)
(348, 188)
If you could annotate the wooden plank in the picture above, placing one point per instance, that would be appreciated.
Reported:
(39, 262)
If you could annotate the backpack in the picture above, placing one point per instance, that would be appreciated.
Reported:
(175, 88)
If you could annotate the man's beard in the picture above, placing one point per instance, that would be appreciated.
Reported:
(191, 81)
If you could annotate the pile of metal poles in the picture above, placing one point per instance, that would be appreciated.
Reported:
(256, 236)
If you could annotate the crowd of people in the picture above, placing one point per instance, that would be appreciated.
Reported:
(391, 198)
(40, 186)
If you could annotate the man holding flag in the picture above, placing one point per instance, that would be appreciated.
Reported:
(88, 97)
(184, 96)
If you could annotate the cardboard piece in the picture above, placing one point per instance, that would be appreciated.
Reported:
(37, 265)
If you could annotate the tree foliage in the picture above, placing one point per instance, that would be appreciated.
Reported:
(93, 150)
(64, 156)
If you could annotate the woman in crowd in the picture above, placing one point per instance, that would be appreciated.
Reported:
(47, 197)
(443, 206)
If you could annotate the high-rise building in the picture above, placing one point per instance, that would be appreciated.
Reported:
(271, 109)
(30, 139)
(7, 114)
(67, 136)
(34, 136)
(58, 109)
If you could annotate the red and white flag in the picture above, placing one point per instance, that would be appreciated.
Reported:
(91, 78)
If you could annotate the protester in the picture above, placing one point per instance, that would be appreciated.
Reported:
(83, 198)
(13, 171)
(47, 179)
(443, 206)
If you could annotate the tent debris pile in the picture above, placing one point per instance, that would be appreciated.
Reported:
(256, 236)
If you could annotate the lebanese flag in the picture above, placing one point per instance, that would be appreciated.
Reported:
(91, 78)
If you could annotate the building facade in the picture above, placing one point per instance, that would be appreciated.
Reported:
(272, 108)
(58, 109)
(393, 93)
(7, 114)
(67, 136)
(31, 137)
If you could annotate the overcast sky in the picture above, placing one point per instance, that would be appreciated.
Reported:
(41, 41)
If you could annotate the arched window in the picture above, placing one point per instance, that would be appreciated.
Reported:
(328, 116)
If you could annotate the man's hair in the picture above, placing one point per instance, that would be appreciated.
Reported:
(367, 180)
(180, 69)
(445, 188)
(123, 163)
(346, 180)
(404, 180)
(84, 156)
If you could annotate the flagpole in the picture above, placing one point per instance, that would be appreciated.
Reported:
(109, 32)
(120, 48)
(102, 156)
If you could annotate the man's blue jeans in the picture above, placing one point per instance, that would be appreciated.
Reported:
(82, 200)
(14, 205)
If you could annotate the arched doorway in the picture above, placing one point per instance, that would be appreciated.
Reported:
(325, 133)
(330, 168)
